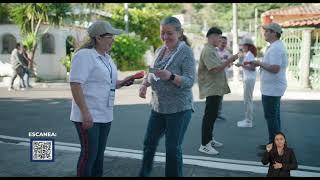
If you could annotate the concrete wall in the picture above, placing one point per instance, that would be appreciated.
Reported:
(48, 66)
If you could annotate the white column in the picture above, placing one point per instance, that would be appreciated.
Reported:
(305, 58)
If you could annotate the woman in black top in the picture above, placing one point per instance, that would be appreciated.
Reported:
(280, 157)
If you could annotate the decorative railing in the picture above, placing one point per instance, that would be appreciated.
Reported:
(293, 43)
(315, 61)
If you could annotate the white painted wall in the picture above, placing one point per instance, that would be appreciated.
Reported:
(49, 66)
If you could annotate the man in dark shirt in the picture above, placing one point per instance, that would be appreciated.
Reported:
(26, 65)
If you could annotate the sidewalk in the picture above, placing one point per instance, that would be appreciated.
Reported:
(128, 95)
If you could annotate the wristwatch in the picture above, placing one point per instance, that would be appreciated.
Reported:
(172, 77)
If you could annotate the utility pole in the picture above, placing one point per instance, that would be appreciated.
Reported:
(126, 17)
(235, 47)
(255, 26)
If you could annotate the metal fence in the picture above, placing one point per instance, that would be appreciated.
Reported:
(293, 42)
(315, 60)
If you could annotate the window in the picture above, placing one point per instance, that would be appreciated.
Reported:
(48, 45)
(8, 43)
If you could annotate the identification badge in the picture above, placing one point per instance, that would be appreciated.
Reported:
(112, 94)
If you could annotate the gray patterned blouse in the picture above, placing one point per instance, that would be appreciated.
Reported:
(167, 97)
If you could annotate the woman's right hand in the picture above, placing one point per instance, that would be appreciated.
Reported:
(143, 91)
(87, 121)
(269, 147)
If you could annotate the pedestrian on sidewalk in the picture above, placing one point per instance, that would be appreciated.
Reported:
(17, 66)
(280, 157)
(26, 65)
(213, 85)
(224, 55)
(273, 81)
(93, 81)
(172, 99)
(249, 76)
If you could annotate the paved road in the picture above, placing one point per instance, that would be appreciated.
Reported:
(43, 109)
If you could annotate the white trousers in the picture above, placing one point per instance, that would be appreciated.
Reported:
(248, 87)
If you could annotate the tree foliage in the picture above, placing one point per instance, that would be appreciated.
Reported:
(220, 14)
(144, 22)
(30, 16)
(4, 13)
(127, 52)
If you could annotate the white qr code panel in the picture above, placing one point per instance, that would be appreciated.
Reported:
(42, 150)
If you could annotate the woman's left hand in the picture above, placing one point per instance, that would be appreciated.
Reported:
(163, 74)
(277, 165)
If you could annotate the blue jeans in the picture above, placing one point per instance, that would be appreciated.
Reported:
(93, 144)
(271, 107)
(173, 126)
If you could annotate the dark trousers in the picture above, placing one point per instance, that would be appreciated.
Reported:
(173, 126)
(209, 118)
(93, 144)
(19, 71)
(27, 76)
(271, 107)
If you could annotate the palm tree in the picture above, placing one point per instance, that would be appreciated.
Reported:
(30, 16)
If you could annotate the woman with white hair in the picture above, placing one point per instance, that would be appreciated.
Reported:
(172, 100)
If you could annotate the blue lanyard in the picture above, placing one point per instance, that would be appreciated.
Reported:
(110, 70)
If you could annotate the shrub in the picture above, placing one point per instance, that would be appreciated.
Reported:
(66, 61)
(127, 52)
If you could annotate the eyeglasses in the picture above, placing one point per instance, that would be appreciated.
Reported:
(108, 36)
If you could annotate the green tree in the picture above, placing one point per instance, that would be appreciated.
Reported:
(128, 51)
(144, 22)
(220, 14)
(4, 13)
(30, 16)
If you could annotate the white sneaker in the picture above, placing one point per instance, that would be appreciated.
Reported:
(22, 89)
(10, 89)
(215, 143)
(208, 149)
(245, 123)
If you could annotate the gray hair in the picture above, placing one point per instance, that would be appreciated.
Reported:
(172, 21)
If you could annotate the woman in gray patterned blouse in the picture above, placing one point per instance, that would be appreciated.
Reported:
(171, 80)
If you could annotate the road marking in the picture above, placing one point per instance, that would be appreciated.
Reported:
(210, 162)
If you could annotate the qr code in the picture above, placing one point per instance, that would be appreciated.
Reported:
(42, 150)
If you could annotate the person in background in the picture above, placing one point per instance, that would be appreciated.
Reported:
(93, 81)
(172, 99)
(224, 54)
(280, 157)
(17, 66)
(26, 65)
(249, 77)
(273, 80)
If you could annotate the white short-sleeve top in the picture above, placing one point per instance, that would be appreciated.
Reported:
(249, 74)
(97, 75)
(274, 84)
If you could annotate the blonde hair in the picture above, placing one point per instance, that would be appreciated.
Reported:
(89, 43)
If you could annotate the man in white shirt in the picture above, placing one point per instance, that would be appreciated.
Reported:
(273, 77)
(224, 54)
